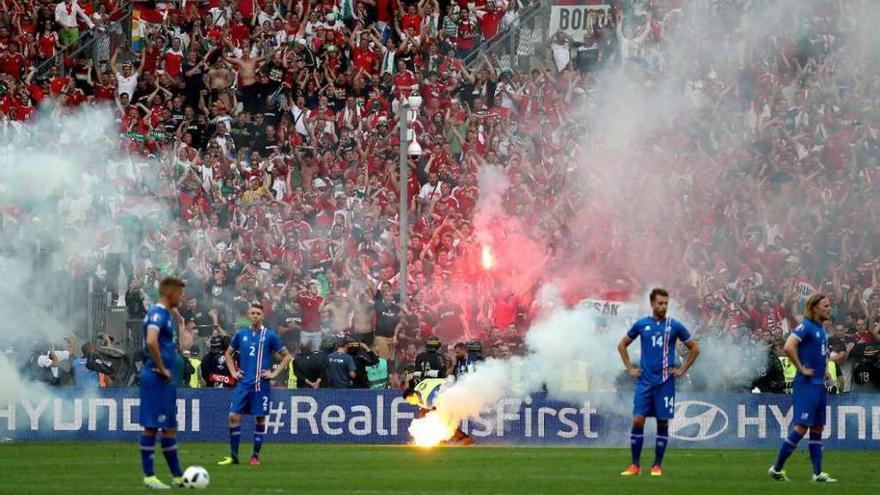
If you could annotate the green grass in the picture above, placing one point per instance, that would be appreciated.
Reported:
(114, 468)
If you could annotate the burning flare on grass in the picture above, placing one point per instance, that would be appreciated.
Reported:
(488, 259)
(430, 430)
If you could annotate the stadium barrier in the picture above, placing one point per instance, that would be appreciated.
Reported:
(362, 416)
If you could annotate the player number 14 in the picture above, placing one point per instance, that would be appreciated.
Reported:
(657, 341)
(669, 402)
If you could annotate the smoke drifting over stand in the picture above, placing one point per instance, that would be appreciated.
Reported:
(654, 134)
(63, 186)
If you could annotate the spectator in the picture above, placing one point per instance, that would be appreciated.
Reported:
(388, 322)
(309, 302)
(264, 135)
(66, 15)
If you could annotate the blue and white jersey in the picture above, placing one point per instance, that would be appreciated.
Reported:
(160, 319)
(255, 350)
(812, 351)
(658, 339)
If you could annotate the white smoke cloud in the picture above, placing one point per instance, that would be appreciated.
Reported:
(63, 184)
(561, 346)
(627, 131)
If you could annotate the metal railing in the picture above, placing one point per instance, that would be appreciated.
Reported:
(520, 45)
(86, 41)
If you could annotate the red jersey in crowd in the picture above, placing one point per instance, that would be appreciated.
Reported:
(383, 11)
(173, 62)
(104, 92)
(12, 63)
(411, 21)
(489, 23)
(466, 33)
(46, 43)
(770, 322)
(309, 306)
(403, 82)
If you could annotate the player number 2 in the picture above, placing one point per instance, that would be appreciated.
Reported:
(253, 352)
(265, 403)
(669, 402)
(657, 341)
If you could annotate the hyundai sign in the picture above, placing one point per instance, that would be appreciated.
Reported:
(362, 416)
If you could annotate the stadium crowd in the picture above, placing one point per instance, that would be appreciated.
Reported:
(270, 131)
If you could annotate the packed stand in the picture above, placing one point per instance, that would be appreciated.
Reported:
(274, 133)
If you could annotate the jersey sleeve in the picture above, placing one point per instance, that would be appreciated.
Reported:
(156, 320)
(349, 363)
(801, 332)
(633, 331)
(236, 341)
(681, 331)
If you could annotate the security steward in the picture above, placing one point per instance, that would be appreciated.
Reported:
(214, 370)
(429, 363)
(424, 395)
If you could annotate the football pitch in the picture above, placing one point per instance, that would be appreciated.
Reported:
(114, 468)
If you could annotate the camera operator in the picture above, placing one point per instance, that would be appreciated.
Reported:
(83, 377)
(49, 366)
(134, 301)
(363, 357)
(466, 357)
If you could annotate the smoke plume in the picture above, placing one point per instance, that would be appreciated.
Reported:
(647, 138)
(64, 190)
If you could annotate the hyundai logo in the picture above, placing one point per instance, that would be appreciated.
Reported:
(696, 421)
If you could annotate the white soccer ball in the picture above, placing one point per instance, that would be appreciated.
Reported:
(196, 477)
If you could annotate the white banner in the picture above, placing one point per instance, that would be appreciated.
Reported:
(615, 309)
(574, 20)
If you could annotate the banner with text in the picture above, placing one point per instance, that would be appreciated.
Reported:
(361, 416)
(575, 20)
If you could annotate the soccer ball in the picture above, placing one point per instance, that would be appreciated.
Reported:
(196, 477)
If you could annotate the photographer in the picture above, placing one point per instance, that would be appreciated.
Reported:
(134, 301)
(83, 377)
(49, 366)
(365, 358)
(466, 357)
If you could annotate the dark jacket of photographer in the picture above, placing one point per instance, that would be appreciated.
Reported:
(362, 358)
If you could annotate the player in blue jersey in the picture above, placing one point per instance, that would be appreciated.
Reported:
(655, 376)
(807, 348)
(158, 408)
(256, 347)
